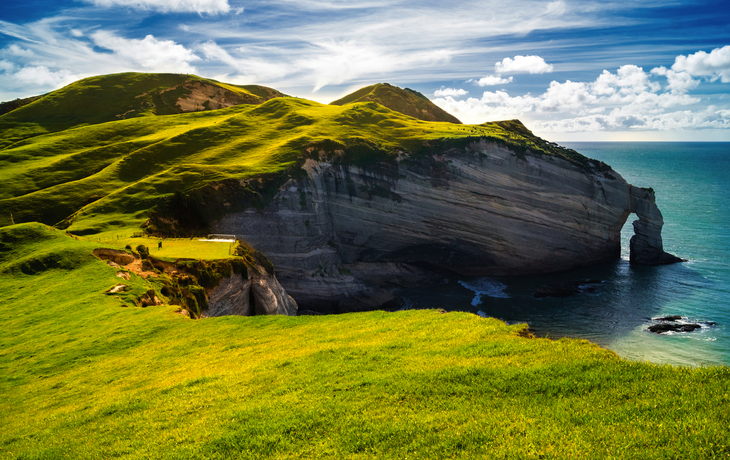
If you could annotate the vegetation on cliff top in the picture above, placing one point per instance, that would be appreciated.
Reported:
(83, 377)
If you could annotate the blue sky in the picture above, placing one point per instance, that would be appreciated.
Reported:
(583, 70)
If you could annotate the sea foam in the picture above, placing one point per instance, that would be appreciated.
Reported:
(485, 286)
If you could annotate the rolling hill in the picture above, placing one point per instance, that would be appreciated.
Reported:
(406, 101)
(74, 159)
(122, 96)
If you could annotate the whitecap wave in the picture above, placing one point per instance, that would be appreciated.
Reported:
(485, 286)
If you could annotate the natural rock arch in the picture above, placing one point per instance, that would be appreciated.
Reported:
(646, 247)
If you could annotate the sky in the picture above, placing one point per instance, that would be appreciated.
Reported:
(570, 70)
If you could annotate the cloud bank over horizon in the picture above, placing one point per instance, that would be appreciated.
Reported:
(561, 67)
(629, 99)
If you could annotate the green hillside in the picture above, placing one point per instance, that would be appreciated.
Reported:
(405, 101)
(104, 178)
(85, 375)
(104, 175)
(121, 96)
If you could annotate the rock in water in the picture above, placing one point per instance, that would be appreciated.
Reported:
(646, 246)
(665, 327)
(668, 318)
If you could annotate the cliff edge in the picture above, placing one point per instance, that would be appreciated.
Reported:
(342, 234)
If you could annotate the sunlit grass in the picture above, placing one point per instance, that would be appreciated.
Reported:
(177, 248)
(83, 377)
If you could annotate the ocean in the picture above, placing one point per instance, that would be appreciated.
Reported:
(692, 185)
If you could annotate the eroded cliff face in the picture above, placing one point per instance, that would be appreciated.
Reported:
(343, 235)
(250, 296)
(245, 290)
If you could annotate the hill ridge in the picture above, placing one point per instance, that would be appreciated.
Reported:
(404, 100)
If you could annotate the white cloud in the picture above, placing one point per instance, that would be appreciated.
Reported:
(493, 80)
(556, 8)
(325, 63)
(624, 100)
(6, 65)
(565, 96)
(167, 6)
(15, 50)
(77, 33)
(677, 82)
(336, 62)
(629, 79)
(670, 121)
(149, 53)
(453, 92)
(700, 64)
(523, 64)
(249, 69)
(41, 76)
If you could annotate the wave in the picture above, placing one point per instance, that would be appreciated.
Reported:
(485, 286)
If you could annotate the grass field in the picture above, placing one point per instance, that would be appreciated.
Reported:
(83, 377)
(172, 248)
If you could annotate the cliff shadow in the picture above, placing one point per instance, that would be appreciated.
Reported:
(627, 297)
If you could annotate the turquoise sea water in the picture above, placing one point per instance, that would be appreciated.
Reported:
(692, 184)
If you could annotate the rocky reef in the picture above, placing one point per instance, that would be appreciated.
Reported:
(343, 234)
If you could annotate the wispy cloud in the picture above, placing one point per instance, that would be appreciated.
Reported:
(167, 6)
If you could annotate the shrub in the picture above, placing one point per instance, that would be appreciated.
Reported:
(143, 251)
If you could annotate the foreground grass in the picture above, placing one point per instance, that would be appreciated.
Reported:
(82, 377)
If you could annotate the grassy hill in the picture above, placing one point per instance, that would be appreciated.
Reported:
(121, 96)
(406, 101)
(68, 160)
(85, 376)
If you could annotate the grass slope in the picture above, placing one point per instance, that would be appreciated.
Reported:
(83, 377)
(112, 97)
(104, 178)
(405, 101)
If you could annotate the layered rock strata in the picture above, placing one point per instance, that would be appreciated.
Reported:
(255, 292)
(341, 236)
(250, 296)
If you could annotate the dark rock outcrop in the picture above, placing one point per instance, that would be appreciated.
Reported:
(672, 327)
(646, 245)
(668, 318)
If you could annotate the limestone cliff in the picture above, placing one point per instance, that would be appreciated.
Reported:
(343, 234)
(231, 287)
(250, 296)
(236, 286)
